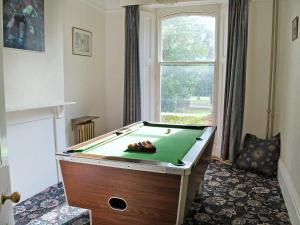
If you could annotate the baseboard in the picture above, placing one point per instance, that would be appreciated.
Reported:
(290, 195)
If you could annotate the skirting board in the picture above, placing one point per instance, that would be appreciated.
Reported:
(289, 193)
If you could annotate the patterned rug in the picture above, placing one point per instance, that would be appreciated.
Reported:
(49, 207)
(230, 196)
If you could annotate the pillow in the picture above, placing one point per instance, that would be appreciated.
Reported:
(259, 155)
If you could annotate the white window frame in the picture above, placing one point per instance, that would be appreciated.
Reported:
(215, 62)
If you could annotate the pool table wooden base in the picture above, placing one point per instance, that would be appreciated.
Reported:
(151, 198)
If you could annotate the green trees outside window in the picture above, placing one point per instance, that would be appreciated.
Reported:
(187, 69)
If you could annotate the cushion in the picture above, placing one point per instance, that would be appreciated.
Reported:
(259, 155)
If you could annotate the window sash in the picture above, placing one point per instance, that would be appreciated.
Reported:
(164, 63)
(161, 62)
(213, 63)
(182, 14)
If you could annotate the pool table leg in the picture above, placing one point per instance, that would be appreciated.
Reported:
(182, 200)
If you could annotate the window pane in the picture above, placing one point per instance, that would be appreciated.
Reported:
(188, 38)
(187, 94)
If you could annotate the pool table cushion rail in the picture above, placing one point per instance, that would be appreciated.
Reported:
(166, 125)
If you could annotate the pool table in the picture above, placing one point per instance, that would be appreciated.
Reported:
(121, 187)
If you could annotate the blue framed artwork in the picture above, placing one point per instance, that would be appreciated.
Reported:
(23, 24)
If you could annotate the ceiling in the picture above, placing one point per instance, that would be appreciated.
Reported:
(115, 4)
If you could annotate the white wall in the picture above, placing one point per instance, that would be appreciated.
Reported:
(6, 211)
(84, 76)
(287, 119)
(114, 67)
(258, 67)
(34, 79)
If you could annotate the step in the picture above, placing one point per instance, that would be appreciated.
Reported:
(49, 207)
(63, 215)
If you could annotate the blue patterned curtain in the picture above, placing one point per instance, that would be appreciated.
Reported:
(235, 78)
(132, 86)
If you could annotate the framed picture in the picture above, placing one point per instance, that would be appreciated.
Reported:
(295, 25)
(82, 42)
(23, 25)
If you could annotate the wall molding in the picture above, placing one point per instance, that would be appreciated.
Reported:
(289, 193)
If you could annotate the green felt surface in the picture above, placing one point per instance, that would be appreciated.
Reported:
(170, 147)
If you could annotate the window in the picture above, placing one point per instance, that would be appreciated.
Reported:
(187, 68)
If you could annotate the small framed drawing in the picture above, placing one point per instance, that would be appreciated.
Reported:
(82, 42)
(295, 25)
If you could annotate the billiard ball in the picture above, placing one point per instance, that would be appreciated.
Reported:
(130, 146)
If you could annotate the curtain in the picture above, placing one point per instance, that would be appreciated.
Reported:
(132, 86)
(234, 100)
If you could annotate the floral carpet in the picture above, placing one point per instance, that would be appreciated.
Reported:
(229, 197)
(232, 196)
(49, 207)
